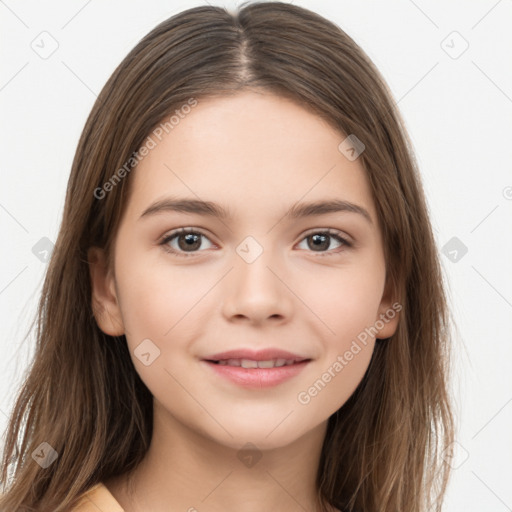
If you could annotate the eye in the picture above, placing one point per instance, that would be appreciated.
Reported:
(322, 240)
(188, 240)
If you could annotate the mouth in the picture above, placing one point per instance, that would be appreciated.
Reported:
(257, 369)
(252, 363)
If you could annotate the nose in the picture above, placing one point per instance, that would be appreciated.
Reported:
(256, 292)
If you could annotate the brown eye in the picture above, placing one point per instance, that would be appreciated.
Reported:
(321, 242)
(188, 241)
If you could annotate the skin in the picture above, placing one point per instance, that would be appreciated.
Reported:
(256, 154)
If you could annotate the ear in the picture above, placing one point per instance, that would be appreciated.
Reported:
(388, 314)
(105, 305)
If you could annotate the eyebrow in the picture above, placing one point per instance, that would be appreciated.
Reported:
(296, 211)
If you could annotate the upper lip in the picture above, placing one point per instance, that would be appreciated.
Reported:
(256, 355)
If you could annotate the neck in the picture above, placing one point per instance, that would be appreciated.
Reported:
(184, 470)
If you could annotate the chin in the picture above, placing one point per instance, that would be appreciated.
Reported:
(264, 435)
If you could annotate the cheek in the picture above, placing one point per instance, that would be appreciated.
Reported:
(157, 299)
(348, 309)
(157, 307)
(346, 300)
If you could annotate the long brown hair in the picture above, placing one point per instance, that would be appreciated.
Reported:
(82, 395)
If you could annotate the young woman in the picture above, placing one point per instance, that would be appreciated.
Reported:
(244, 309)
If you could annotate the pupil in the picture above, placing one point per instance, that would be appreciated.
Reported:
(190, 240)
(318, 240)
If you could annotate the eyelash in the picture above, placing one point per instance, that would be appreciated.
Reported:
(168, 237)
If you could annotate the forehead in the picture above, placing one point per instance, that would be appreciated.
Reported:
(248, 152)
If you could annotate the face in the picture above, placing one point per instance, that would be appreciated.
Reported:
(255, 279)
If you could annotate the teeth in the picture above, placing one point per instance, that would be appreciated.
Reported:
(249, 363)
(266, 364)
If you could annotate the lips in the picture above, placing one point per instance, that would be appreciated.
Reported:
(262, 368)
(252, 363)
(265, 355)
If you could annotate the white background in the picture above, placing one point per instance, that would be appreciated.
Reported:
(458, 112)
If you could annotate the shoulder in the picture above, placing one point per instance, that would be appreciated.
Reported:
(97, 498)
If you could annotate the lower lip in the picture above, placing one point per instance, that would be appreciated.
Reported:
(258, 377)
